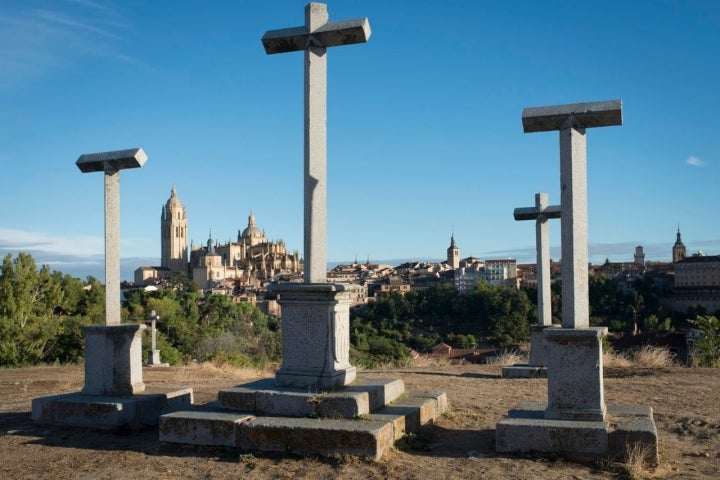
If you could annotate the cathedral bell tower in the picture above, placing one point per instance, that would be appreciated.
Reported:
(453, 253)
(173, 235)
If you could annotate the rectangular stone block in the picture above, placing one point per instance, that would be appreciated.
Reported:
(524, 371)
(632, 428)
(591, 114)
(440, 399)
(343, 404)
(240, 399)
(311, 436)
(573, 439)
(381, 391)
(418, 412)
(201, 427)
(292, 404)
(397, 420)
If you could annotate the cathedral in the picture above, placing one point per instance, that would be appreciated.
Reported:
(251, 261)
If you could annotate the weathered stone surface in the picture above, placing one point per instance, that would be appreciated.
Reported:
(309, 436)
(527, 430)
(381, 391)
(113, 359)
(418, 412)
(590, 114)
(107, 412)
(345, 404)
(439, 398)
(315, 336)
(202, 427)
(115, 160)
(575, 374)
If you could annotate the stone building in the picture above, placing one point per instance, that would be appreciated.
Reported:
(252, 255)
(249, 262)
(697, 282)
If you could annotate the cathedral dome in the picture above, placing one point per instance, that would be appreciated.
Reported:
(252, 233)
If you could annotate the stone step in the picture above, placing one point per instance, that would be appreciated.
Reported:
(263, 397)
(202, 427)
(368, 435)
(317, 436)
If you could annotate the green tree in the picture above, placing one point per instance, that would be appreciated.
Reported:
(706, 350)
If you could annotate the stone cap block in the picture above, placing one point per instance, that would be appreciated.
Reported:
(592, 114)
(111, 161)
(575, 333)
(332, 34)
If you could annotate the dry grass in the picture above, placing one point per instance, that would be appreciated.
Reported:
(646, 356)
(507, 358)
(653, 357)
(637, 462)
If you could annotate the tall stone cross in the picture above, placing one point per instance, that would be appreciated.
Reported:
(314, 38)
(541, 212)
(111, 163)
(572, 120)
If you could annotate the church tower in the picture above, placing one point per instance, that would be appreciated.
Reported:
(678, 250)
(173, 235)
(453, 253)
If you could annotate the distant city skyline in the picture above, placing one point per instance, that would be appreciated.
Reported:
(424, 125)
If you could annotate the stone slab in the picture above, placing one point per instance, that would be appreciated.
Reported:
(524, 371)
(381, 391)
(526, 430)
(115, 160)
(202, 427)
(312, 436)
(418, 412)
(439, 398)
(397, 420)
(265, 397)
(590, 114)
(107, 412)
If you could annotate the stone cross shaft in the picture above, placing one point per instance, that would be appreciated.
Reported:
(541, 212)
(572, 120)
(111, 163)
(314, 38)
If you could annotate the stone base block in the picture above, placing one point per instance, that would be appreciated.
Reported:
(363, 419)
(109, 413)
(202, 427)
(301, 378)
(313, 436)
(524, 371)
(526, 430)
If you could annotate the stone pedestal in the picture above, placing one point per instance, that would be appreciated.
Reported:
(536, 366)
(575, 374)
(315, 335)
(153, 359)
(114, 396)
(113, 360)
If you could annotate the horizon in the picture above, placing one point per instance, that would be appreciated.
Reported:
(424, 126)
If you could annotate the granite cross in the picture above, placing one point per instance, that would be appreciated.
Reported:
(541, 212)
(111, 163)
(314, 38)
(572, 120)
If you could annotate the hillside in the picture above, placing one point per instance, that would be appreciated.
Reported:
(460, 445)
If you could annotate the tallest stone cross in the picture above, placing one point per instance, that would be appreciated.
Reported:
(314, 38)
(315, 314)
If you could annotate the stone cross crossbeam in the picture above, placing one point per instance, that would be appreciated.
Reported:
(541, 212)
(314, 38)
(111, 163)
(572, 120)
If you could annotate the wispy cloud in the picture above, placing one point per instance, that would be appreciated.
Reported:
(55, 35)
(694, 161)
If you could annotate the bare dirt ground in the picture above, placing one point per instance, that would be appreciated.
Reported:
(460, 445)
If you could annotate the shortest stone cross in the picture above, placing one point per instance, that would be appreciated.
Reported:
(541, 212)
(111, 163)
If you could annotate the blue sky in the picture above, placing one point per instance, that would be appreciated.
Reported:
(424, 125)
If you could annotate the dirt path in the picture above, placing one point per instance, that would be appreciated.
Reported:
(461, 444)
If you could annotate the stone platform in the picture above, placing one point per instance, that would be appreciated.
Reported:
(526, 430)
(362, 419)
(106, 412)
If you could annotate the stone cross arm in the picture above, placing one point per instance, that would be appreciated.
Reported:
(533, 213)
(333, 34)
(586, 115)
(111, 161)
